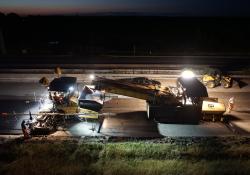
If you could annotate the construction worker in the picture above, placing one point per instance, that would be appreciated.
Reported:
(40, 103)
(50, 96)
(230, 104)
(25, 131)
(101, 120)
(30, 121)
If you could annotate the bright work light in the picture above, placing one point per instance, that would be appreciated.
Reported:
(71, 88)
(91, 76)
(187, 74)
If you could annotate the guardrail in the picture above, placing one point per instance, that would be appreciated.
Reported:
(85, 77)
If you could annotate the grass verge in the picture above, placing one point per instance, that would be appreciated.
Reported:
(228, 155)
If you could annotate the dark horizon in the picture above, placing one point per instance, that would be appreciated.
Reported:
(128, 14)
(106, 35)
(137, 8)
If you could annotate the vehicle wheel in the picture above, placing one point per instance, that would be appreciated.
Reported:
(225, 84)
(210, 84)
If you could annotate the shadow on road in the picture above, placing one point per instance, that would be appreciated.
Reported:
(130, 124)
(230, 117)
(239, 83)
(248, 112)
(231, 122)
(188, 115)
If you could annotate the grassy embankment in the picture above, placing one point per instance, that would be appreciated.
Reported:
(174, 156)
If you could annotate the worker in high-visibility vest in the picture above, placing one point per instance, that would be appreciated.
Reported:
(230, 104)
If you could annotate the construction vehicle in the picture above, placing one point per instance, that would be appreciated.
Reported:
(213, 81)
(213, 78)
(188, 99)
(213, 109)
(144, 81)
(64, 102)
(164, 102)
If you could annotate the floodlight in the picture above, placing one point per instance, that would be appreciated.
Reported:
(187, 74)
(71, 88)
(91, 76)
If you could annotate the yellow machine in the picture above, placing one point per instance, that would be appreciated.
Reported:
(164, 102)
(140, 91)
(184, 102)
(144, 82)
(226, 81)
(63, 102)
(213, 109)
(212, 81)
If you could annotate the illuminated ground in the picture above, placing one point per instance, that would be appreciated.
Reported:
(126, 116)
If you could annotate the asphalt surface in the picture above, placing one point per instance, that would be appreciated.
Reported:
(125, 116)
(12, 124)
(73, 61)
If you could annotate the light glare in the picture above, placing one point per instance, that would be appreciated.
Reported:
(187, 74)
(71, 88)
(92, 77)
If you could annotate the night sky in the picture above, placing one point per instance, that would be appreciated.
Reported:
(140, 7)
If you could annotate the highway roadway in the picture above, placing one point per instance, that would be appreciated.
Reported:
(126, 116)
(73, 61)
